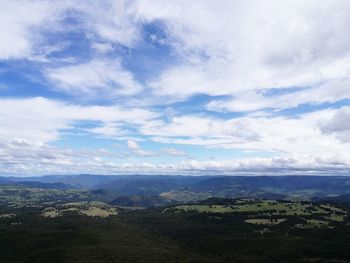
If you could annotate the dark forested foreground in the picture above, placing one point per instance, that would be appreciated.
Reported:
(177, 219)
(214, 230)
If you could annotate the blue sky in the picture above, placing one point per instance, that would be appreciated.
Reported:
(174, 87)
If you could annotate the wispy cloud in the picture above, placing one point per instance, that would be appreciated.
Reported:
(135, 148)
(97, 77)
(174, 152)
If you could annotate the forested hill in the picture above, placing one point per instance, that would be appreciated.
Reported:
(184, 188)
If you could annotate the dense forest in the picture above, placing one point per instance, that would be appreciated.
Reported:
(75, 225)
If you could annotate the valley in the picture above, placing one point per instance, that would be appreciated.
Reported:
(135, 223)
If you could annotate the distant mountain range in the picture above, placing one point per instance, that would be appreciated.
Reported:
(148, 190)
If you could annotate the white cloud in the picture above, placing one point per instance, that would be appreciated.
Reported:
(238, 46)
(290, 137)
(40, 119)
(226, 48)
(203, 127)
(17, 19)
(329, 92)
(113, 21)
(268, 166)
(43, 159)
(174, 152)
(23, 24)
(338, 125)
(102, 47)
(240, 49)
(23, 156)
(95, 78)
(303, 146)
(34, 123)
(136, 149)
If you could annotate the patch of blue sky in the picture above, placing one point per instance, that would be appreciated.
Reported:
(272, 92)
(72, 42)
(24, 79)
(205, 153)
(118, 146)
(78, 141)
(83, 125)
(212, 153)
(307, 108)
(201, 153)
(196, 104)
(151, 55)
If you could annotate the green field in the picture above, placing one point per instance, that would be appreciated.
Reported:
(271, 212)
(203, 208)
(93, 208)
(19, 196)
(265, 206)
(265, 221)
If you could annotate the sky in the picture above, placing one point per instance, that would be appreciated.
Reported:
(175, 87)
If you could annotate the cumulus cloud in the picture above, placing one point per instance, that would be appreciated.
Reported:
(46, 159)
(338, 125)
(21, 156)
(269, 166)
